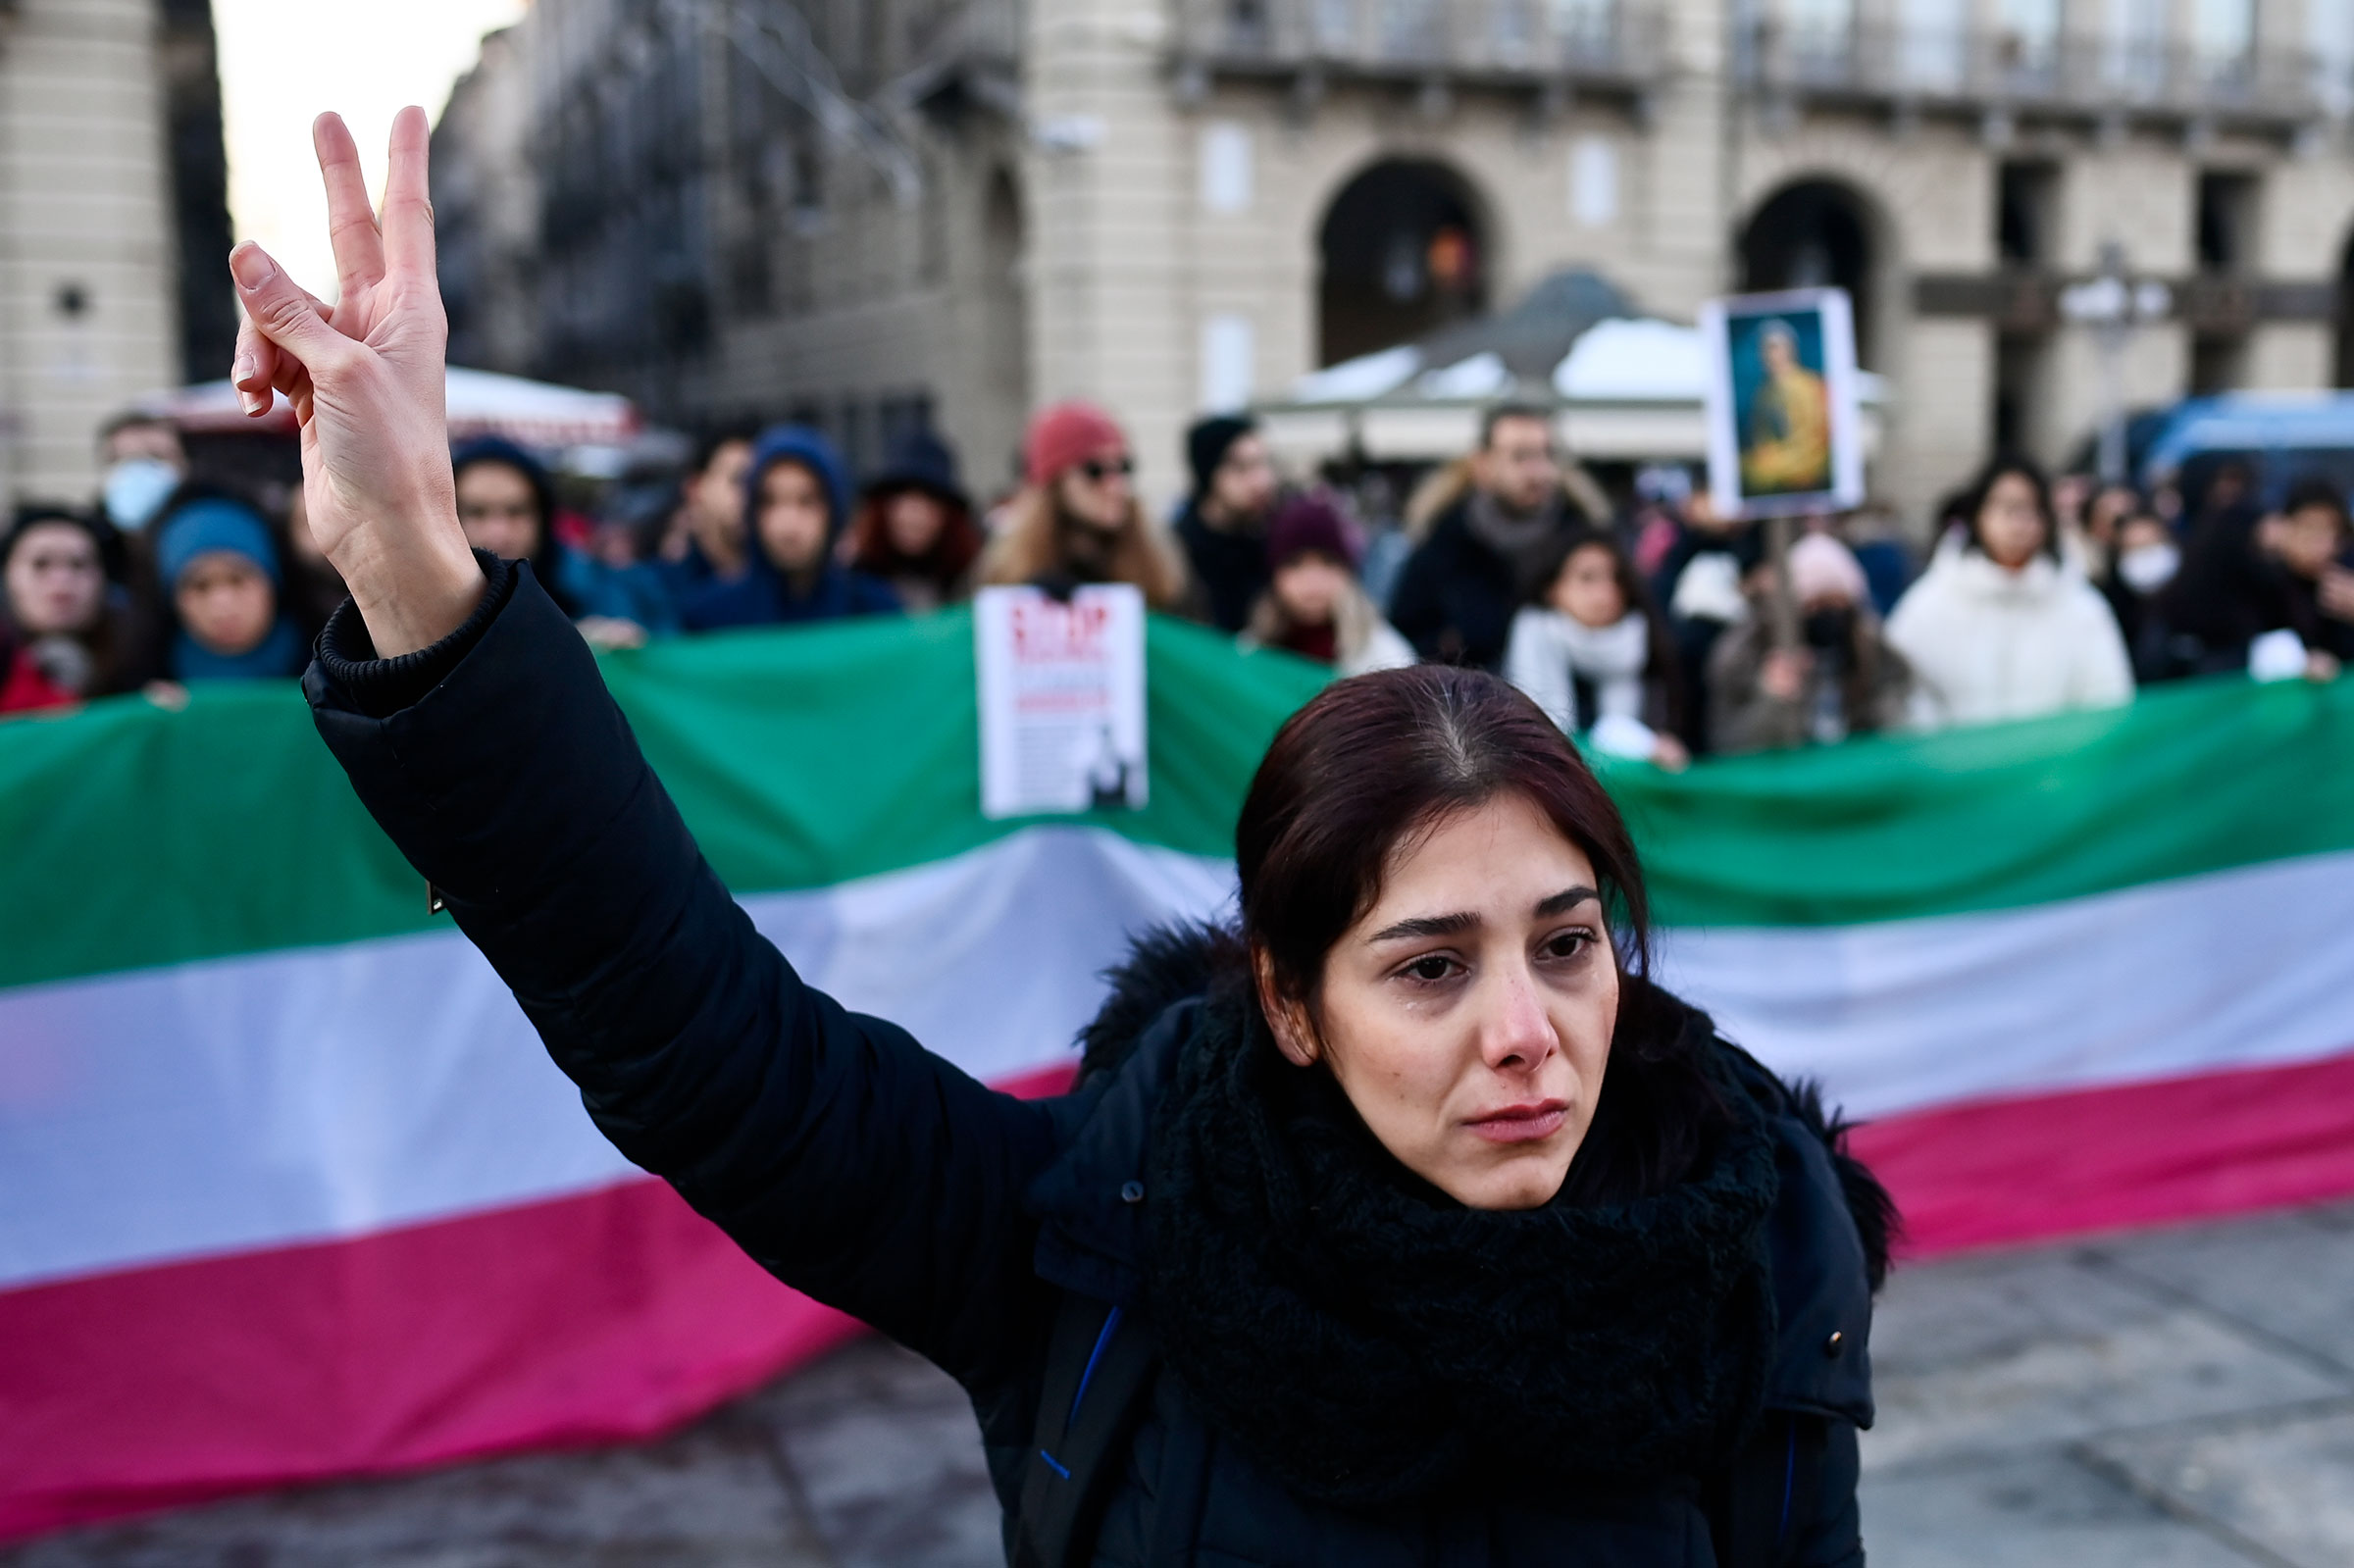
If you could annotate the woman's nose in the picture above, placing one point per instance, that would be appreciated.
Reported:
(1517, 1033)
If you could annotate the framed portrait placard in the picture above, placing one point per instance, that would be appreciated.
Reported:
(1783, 434)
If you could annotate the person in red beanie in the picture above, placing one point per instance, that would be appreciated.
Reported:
(1078, 520)
(1313, 605)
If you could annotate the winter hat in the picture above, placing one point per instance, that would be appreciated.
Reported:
(1305, 524)
(921, 461)
(797, 443)
(1823, 567)
(498, 449)
(1208, 444)
(1065, 435)
(209, 525)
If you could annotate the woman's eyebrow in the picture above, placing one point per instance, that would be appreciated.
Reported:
(1565, 900)
(1427, 926)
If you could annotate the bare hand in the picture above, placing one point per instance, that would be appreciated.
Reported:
(2337, 592)
(1784, 676)
(366, 378)
(1669, 754)
(2321, 668)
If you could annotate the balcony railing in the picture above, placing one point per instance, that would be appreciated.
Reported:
(1522, 41)
(1994, 67)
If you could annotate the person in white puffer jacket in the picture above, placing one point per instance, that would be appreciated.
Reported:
(2002, 625)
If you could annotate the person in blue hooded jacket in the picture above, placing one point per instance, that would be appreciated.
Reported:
(507, 505)
(797, 501)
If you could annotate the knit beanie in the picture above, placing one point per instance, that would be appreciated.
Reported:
(1823, 567)
(1208, 444)
(1308, 523)
(1065, 435)
(213, 523)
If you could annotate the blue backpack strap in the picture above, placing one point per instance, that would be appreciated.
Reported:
(1099, 1365)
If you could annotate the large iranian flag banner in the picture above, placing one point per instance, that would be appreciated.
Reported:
(288, 1189)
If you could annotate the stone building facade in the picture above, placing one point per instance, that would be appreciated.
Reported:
(110, 150)
(877, 211)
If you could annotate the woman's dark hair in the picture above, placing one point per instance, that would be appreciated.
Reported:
(2314, 491)
(1376, 760)
(2001, 467)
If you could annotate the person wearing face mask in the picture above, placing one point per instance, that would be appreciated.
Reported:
(223, 579)
(2000, 625)
(66, 632)
(796, 502)
(1841, 679)
(1077, 519)
(2143, 561)
(1313, 605)
(1597, 656)
(2247, 578)
(144, 463)
(915, 529)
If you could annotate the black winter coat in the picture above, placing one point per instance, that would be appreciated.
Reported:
(1456, 595)
(882, 1180)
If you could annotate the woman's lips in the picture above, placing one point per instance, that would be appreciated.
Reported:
(1521, 1123)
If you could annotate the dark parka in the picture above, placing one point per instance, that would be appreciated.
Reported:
(883, 1181)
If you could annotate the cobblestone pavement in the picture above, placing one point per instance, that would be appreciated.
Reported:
(2174, 1399)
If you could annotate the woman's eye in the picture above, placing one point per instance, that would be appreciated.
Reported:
(1431, 969)
(1568, 944)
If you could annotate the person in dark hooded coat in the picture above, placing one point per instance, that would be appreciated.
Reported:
(507, 502)
(796, 502)
(1405, 1222)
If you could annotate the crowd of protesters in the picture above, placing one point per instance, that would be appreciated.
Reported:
(1655, 629)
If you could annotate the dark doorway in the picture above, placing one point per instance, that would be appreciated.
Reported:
(1404, 252)
(2345, 318)
(1813, 235)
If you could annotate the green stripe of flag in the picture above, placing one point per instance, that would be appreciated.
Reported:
(131, 837)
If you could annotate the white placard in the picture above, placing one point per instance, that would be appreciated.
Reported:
(1063, 700)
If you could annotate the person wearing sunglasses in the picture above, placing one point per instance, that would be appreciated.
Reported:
(1078, 519)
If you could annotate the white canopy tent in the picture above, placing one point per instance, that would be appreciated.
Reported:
(1630, 389)
(579, 426)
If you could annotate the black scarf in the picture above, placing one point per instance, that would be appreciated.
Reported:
(1374, 1343)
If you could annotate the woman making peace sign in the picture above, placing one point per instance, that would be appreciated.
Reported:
(1406, 1221)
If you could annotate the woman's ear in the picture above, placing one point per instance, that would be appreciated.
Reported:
(1295, 1036)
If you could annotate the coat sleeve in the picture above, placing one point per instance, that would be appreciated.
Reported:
(842, 1157)
(1529, 664)
(1831, 1535)
(2104, 674)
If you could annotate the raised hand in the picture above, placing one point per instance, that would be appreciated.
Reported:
(366, 378)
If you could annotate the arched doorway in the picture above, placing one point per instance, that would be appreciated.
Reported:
(1405, 250)
(1814, 234)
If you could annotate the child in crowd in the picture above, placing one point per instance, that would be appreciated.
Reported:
(1313, 605)
(219, 570)
(1597, 657)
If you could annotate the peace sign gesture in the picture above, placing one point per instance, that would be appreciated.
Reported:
(366, 376)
